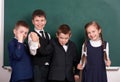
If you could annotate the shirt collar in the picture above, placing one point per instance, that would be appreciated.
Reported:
(38, 31)
(15, 38)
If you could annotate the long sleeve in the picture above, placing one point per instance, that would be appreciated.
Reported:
(16, 50)
(33, 46)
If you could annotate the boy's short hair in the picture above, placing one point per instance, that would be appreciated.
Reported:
(64, 28)
(21, 23)
(39, 13)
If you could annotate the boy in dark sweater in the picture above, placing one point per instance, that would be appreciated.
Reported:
(19, 55)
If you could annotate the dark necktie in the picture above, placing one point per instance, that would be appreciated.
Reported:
(42, 34)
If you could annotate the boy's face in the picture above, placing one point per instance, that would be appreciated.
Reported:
(21, 32)
(63, 38)
(39, 22)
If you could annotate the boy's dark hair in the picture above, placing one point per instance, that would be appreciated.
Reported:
(21, 23)
(64, 28)
(39, 13)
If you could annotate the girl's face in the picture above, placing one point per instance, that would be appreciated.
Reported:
(39, 22)
(63, 38)
(93, 32)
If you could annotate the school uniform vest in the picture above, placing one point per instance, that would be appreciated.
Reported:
(41, 59)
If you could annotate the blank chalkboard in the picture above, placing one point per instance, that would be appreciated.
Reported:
(75, 13)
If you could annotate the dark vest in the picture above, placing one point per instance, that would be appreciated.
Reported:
(40, 59)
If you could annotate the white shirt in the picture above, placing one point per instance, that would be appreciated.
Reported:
(65, 47)
(95, 44)
(34, 45)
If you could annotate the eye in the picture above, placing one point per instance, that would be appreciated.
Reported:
(67, 38)
(61, 38)
(88, 32)
(42, 20)
(26, 33)
(37, 20)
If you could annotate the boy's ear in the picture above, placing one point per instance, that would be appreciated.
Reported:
(46, 21)
(32, 21)
(14, 31)
(70, 35)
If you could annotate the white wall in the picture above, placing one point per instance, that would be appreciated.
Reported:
(113, 76)
(4, 74)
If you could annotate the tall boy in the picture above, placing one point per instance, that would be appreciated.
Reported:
(19, 55)
(64, 56)
(40, 61)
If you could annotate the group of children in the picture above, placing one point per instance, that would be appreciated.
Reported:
(43, 59)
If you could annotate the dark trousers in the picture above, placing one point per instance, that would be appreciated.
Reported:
(40, 73)
(24, 80)
(27, 80)
(60, 81)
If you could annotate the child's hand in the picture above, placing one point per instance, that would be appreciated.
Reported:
(20, 37)
(108, 63)
(34, 37)
(80, 67)
(76, 77)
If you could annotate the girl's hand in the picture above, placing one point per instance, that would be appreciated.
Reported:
(108, 63)
(34, 37)
(80, 67)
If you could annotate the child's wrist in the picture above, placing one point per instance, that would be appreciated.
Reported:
(21, 41)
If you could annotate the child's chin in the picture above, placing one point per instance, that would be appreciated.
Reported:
(62, 44)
